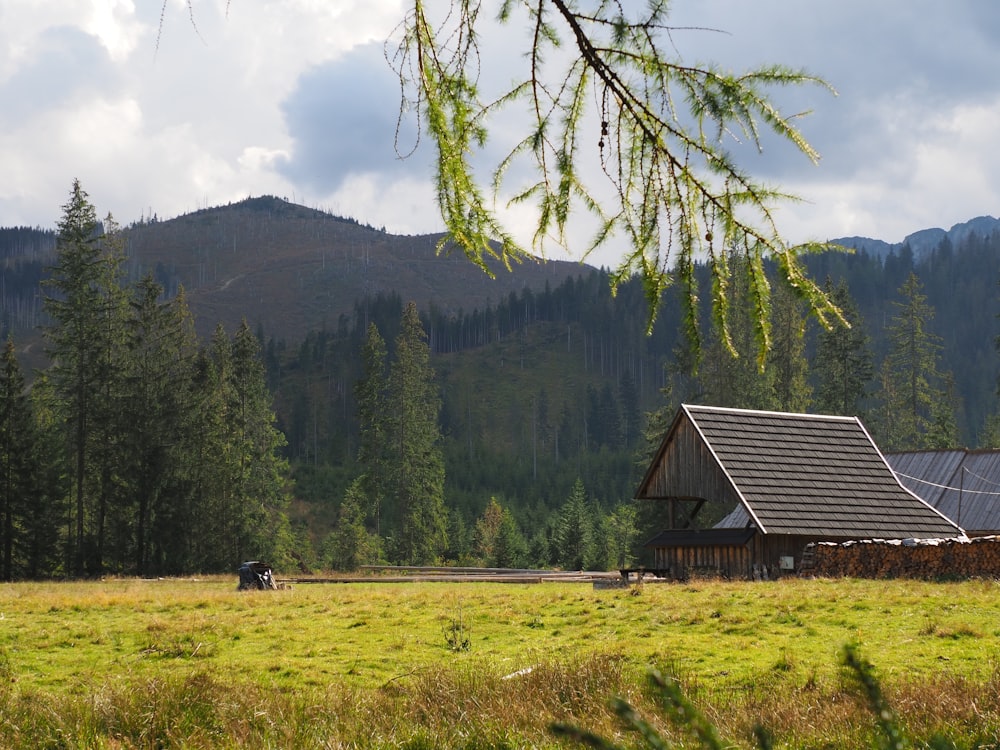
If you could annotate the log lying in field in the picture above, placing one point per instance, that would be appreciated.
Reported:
(929, 559)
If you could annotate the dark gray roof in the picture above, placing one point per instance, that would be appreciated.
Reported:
(813, 475)
(737, 518)
(964, 485)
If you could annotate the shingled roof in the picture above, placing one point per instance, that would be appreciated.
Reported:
(798, 474)
(962, 484)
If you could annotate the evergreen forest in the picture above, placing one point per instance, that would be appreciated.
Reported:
(508, 436)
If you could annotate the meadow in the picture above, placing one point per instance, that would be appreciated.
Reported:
(196, 664)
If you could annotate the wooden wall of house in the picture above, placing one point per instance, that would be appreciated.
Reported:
(761, 558)
(771, 548)
(727, 561)
(687, 469)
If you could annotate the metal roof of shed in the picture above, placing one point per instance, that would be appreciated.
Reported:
(810, 475)
(963, 485)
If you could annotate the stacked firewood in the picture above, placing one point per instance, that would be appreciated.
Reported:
(931, 559)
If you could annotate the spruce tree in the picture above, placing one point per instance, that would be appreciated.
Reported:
(574, 532)
(113, 542)
(17, 462)
(631, 422)
(787, 356)
(161, 351)
(912, 393)
(655, 426)
(261, 473)
(843, 363)
(371, 395)
(652, 517)
(86, 303)
(414, 436)
(487, 528)
(207, 477)
(44, 540)
(510, 549)
(237, 477)
(620, 531)
(350, 545)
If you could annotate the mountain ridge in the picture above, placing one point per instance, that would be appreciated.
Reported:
(294, 269)
(923, 241)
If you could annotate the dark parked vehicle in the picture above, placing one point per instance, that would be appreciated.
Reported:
(256, 575)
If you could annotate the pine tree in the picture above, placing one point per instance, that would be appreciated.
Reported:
(87, 304)
(417, 470)
(17, 462)
(207, 476)
(44, 544)
(350, 545)
(574, 533)
(843, 363)
(631, 422)
(487, 529)
(911, 390)
(620, 531)
(162, 348)
(261, 473)
(787, 356)
(510, 549)
(371, 395)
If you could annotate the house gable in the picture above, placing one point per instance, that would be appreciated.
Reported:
(685, 468)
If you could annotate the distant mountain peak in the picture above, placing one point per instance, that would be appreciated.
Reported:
(276, 208)
(297, 269)
(924, 241)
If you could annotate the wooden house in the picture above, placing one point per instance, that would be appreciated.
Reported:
(747, 490)
(964, 485)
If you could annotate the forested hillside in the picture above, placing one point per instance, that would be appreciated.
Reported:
(539, 407)
(546, 389)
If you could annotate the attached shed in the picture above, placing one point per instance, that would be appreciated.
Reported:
(964, 485)
(770, 483)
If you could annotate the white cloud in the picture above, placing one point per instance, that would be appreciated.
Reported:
(293, 98)
(114, 23)
(259, 159)
(403, 206)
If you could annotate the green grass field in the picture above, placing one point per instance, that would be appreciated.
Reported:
(129, 663)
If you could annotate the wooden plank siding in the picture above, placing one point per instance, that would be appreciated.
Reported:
(685, 469)
(760, 557)
(726, 561)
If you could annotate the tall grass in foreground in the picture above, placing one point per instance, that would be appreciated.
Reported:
(469, 707)
(886, 731)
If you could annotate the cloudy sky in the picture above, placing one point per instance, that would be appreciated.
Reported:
(294, 98)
